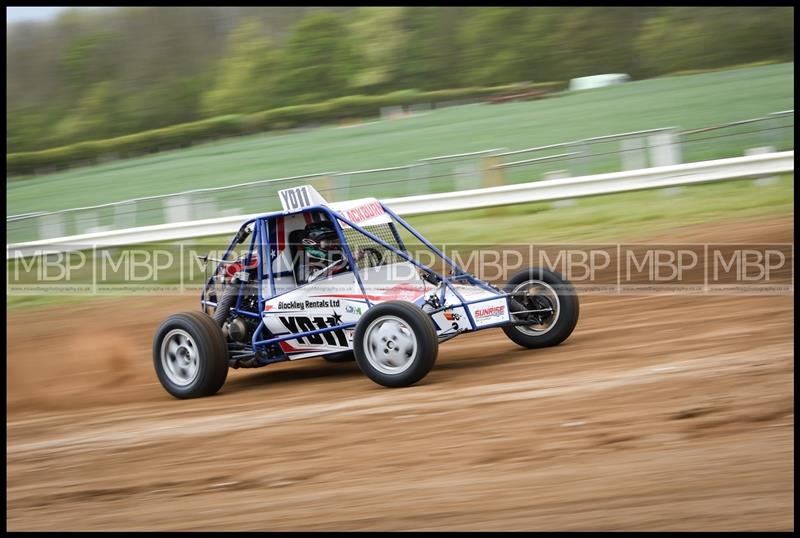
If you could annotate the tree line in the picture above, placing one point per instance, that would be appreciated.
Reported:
(100, 74)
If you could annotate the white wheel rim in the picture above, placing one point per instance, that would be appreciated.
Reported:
(179, 357)
(390, 345)
(538, 287)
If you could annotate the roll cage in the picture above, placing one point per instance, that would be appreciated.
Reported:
(263, 243)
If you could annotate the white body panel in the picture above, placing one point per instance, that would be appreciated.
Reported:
(339, 300)
(456, 319)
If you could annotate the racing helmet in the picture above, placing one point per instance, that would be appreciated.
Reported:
(321, 242)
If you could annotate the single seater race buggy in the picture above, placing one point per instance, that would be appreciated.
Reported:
(335, 280)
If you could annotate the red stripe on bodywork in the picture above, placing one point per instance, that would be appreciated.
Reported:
(286, 347)
(281, 238)
(392, 293)
(356, 296)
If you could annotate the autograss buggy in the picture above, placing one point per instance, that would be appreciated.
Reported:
(371, 300)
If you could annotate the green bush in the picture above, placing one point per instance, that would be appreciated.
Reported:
(276, 119)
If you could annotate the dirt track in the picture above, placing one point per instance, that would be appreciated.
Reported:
(659, 413)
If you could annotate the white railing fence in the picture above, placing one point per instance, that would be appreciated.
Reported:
(752, 166)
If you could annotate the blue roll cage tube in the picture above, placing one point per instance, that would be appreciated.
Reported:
(261, 232)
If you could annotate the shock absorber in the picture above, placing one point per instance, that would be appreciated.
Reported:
(226, 301)
(237, 272)
(515, 306)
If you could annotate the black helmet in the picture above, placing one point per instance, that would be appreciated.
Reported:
(320, 241)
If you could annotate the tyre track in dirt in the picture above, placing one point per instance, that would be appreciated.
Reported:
(424, 401)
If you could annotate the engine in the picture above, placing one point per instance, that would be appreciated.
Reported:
(240, 329)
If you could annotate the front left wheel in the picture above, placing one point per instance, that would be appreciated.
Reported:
(395, 344)
(190, 355)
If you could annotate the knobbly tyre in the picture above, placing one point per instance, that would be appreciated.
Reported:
(334, 280)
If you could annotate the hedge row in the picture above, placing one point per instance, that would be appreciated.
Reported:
(186, 134)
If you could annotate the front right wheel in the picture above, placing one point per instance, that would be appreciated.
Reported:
(395, 344)
(548, 306)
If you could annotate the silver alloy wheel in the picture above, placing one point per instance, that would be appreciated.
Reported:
(390, 345)
(179, 357)
(538, 287)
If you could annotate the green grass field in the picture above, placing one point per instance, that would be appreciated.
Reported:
(684, 101)
(608, 218)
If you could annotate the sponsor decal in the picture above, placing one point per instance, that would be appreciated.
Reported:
(300, 324)
(302, 305)
(490, 312)
(350, 309)
(364, 212)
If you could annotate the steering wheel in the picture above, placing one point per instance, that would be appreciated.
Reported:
(321, 272)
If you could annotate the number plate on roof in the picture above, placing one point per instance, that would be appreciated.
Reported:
(300, 197)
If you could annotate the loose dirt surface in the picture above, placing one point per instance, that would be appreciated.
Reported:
(659, 413)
